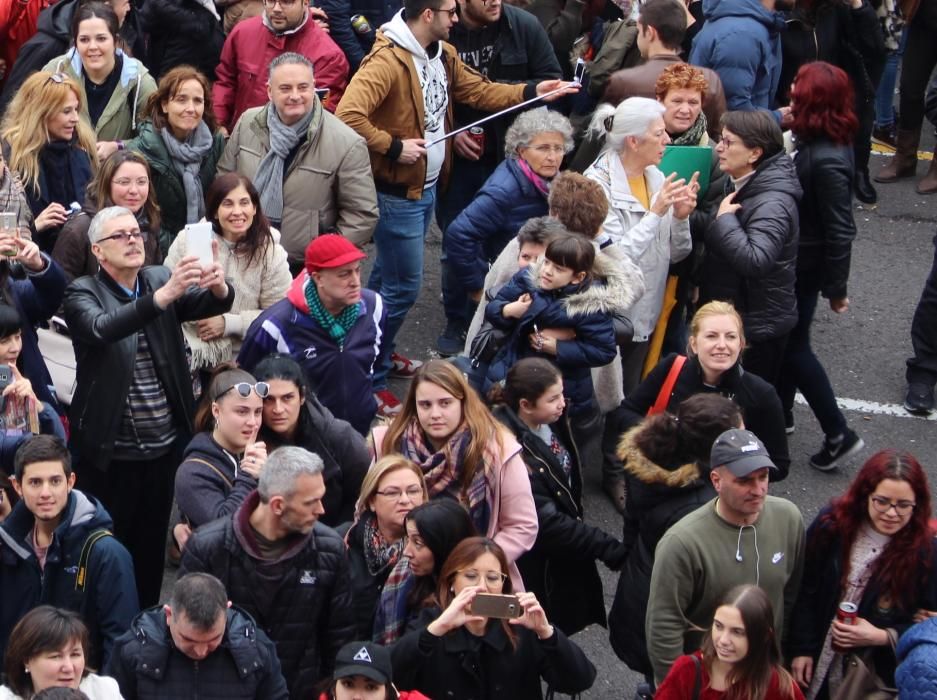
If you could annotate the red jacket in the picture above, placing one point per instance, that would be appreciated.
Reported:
(17, 25)
(242, 74)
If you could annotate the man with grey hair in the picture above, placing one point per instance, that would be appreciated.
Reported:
(197, 645)
(312, 171)
(132, 411)
(284, 567)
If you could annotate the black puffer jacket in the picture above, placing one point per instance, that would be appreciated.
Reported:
(761, 407)
(104, 322)
(751, 255)
(146, 663)
(827, 227)
(366, 586)
(181, 31)
(657, 497)
(560, 568)
(302, 600)
(342, 449)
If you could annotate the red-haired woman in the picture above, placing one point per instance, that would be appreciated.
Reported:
(824, 125)
(871, 547)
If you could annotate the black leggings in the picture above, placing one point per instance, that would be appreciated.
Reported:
(918, 63)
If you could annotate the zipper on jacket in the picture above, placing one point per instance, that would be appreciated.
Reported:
(552, 476)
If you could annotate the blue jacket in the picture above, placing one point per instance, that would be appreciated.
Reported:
(586, 309)
(741, 41)
(478, 235)
(917, 662)
(356, 44)
(108, 602)
(339, 375)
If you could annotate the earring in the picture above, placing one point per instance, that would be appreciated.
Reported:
(26, 668)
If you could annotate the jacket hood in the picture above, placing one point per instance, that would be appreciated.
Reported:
(131, 70)
(83, 514)
(57, 20)
(205, 447)
(614, 289)
(922, 633)
(398, 32)
(643, 469)
(775, 174)
(297, 292)
(752, 9)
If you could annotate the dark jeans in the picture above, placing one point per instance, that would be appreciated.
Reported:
(920, 57)
(923, 366)
(764, 358)
(802, 370)
(138, 495)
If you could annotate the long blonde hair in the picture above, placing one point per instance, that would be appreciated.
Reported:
(24, 125)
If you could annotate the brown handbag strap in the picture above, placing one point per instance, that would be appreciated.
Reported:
(213, 468)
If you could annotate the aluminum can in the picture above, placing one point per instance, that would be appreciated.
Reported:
(477, 134)
(847, 613)
(360, 24)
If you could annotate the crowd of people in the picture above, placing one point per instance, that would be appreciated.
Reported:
(632, 259)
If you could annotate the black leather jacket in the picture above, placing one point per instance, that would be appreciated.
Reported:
(103, 322)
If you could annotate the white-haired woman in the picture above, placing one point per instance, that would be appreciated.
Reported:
(648, 214)
(534, 148)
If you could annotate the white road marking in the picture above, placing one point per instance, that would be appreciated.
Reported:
(881, 409)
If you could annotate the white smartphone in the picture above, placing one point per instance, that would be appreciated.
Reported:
(198, 242)
(580, 71)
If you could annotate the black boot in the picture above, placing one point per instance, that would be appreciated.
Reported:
(864, 190)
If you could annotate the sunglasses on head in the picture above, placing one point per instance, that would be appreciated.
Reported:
(262, 389)
(56, 78)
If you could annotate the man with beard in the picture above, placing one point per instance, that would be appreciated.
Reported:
(283, 567)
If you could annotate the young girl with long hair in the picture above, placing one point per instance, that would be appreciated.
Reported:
(740, 658)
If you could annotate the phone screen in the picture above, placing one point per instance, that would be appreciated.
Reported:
(580, 71)
(198, 242)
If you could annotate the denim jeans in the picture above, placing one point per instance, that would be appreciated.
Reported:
(885, 95)
(802, 370)
(398, 270)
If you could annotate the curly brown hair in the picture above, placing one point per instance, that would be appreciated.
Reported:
(680, 76)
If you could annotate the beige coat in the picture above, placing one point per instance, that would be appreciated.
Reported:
(328, 186)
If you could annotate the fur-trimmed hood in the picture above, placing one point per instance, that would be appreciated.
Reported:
(640, 467)
(617, 284)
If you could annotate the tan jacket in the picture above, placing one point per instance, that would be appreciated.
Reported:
(328, 186)
(384, 103)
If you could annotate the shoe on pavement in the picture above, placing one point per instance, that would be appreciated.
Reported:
(401, 366)
(835, 451)
(452, 340)
(789, 424)
(863, 188)
(920, 398)
(388, 405)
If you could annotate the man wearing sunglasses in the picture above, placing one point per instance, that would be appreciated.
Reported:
(133, 407)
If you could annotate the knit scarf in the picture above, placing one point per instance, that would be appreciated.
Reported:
(187, 157)
(390, 618)
(443, 470)
(337, 326)
(64, 171)
(378, 553)
(542, 185)
(693, 135)
(269, 176)
(12, 197)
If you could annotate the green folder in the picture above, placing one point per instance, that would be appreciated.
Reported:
(686, 160)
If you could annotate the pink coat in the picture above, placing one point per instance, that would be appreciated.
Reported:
(242, 74)
(513, 523)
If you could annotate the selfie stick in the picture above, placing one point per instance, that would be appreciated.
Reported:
(498, 114)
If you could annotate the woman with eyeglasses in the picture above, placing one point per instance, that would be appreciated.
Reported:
(458, 653)
(181, 141)
(873, 548)
(534, 148)
(222, 463)
(122, 180)
(49, 149)
(251, 258)
(114, 87)
(391, 489)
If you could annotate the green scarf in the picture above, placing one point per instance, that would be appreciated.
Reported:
(693, 135)
(337, 326)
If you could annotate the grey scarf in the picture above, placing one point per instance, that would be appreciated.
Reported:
(269, 176)
(187, 157)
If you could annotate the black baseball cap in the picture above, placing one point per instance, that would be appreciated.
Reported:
(741, 452)
(364, 659)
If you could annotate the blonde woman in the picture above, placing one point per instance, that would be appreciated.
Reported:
(50, 149)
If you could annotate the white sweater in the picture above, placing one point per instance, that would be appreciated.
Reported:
(94, 686)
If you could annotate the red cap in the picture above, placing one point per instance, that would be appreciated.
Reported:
(331, 250)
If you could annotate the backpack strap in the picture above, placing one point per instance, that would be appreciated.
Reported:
(81, 579)
(213, 468)
(663, 397)
(698, 679)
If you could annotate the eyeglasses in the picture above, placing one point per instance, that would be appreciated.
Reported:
(545, 148)
(452, 13)
(285, 4)
(492, 578)
(126, 236)
(883, 505)
(413, 493)
(57, 78)
(727, 142)
(140, 182)
(262, 389)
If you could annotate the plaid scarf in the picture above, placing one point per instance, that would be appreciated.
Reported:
(442, 470)
(390, 618)
(693, 135)
(337, 326)
(378, 553)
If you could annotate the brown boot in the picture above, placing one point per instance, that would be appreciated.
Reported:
(904, 163)
(928, 185)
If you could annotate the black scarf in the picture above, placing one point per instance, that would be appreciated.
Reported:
(64, 172)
